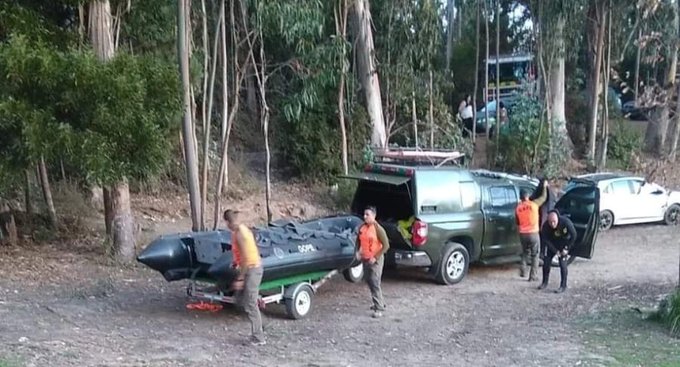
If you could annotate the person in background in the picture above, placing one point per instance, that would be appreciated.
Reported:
(559, 236)
(526, 215)
(466, 114)
(249, 266)
(373, 244)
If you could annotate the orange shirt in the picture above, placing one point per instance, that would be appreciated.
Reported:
(369, 244)
(527, 217)
(251, 255)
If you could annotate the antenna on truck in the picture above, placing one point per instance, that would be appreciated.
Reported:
(415, 156)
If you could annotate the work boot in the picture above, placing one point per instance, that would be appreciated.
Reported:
(543, 285)
(561, 289)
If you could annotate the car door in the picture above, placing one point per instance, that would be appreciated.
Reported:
(651, 199)
(581, 204)
(500, 231)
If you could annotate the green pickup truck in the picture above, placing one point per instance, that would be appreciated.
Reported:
(442, 218)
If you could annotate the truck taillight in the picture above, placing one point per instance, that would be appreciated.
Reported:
(418, 233)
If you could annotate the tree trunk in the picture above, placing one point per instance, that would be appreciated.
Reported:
(676, 134)
(486, 77)
(124, 242)
(596, 28)
(637, 59)
(367, 71)
(498, 83)
(341, 31)
(476, 88)
(225, 87)
(414, 116)
(251, 97)
(28, 203)
(604, 136)
(430, 112)
(8, 227)
(187, 125)
(558, 117)
(47, 192)
(238, 75)
(657, 129)
(450, 9)
(100, 25)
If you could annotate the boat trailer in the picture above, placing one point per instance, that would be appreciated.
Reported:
(296, 292)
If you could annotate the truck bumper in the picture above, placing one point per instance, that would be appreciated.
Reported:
(412, 258)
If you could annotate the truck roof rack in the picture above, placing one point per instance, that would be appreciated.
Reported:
(498, 175)
(417, 156)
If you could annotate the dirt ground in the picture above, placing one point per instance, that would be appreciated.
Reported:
(59, 306)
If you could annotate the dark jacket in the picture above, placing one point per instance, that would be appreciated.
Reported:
(560, 238)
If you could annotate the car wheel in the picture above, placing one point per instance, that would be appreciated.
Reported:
(672, 216)
(354, 274)
(453, 265)
(606, 220)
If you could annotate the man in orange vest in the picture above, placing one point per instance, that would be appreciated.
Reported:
(373, 244)
(249, 266)
(527, 217)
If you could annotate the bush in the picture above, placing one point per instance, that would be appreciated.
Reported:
(528, 145)
(668, 313)
(624, 144)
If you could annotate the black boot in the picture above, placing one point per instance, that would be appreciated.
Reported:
(543, 285)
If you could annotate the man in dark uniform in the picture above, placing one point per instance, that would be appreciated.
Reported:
(558, 234)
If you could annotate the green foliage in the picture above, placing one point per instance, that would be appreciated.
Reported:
(670, 311)
(529, 146)
(111, 119)
(624, 143)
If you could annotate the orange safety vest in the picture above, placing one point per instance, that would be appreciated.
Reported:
(527, 217)
(369, 244)
(251, 253)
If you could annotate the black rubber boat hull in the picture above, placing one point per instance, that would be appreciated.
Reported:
(287, 248)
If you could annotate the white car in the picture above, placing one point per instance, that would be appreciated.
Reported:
(627, 199)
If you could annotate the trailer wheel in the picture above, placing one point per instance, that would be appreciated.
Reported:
(354, 274)
(299, 303)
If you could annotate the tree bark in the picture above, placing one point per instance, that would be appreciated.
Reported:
(341, 31)
(450, 9)
(208, 124)
(557, 87)
(498, 83)
(8, 227)
(657, 129)
(28, 203)
(430, 112)
(47, 192)
(367, 71)
(414, 116)
(123, 222)
(604, 136)
(596, 28)
(108, 211)
(100, 29)
(676, 133)
(225, 86)
(476, 88)
(222, 177)
(251, 96)
(187, 125)
(486, 78)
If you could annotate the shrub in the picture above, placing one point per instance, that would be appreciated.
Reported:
(624, 144)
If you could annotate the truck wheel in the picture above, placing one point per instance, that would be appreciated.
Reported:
(453, 265)
(299, 303)
(354, 274)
